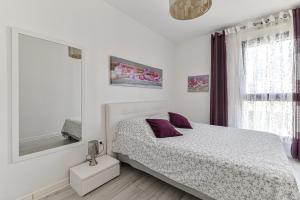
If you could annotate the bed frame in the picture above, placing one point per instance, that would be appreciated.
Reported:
(120, 111)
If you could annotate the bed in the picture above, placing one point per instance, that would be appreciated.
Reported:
(209, 162)
(72, 128)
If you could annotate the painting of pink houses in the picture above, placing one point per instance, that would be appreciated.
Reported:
(127, 73)
(198, 83)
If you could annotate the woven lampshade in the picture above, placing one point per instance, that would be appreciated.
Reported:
(189, 9)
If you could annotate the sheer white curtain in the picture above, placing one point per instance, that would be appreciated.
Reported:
(261, 75)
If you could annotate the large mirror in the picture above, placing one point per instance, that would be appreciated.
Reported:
(47, 94)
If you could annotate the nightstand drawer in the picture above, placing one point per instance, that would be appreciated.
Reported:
(100, 179)
(85, 178)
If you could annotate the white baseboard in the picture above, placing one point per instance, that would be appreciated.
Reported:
(46, 191)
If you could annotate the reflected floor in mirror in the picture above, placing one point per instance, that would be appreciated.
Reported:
(29, 147)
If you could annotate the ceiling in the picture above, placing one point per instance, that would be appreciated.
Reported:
(155, 15)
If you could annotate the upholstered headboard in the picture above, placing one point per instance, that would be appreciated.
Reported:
(117, 112)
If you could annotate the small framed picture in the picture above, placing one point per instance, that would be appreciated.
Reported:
(198, 83)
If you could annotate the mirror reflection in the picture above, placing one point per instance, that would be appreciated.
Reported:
(49, 94)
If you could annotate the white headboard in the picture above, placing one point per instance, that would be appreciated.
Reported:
(117, 112)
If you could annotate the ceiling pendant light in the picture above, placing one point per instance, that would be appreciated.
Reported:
(189, 9)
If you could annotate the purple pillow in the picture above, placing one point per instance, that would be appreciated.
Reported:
(179, 121)
(162, 128)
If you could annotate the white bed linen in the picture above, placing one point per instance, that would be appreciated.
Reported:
(223, 163)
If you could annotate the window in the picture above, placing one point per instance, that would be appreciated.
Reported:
(267, 82)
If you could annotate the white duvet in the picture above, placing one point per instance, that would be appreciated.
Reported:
(223, 163)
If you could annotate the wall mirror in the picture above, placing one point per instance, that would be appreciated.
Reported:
(47, 77)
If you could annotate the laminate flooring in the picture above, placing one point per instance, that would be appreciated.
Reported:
(132, 184)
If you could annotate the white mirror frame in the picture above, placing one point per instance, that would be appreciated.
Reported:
(15, 97)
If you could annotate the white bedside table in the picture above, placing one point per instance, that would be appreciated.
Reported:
(85, 178)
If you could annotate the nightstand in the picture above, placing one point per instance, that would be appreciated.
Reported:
(85, 178)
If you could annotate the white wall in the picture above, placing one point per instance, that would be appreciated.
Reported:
(49, 85)
(103, 31)
(192, 58)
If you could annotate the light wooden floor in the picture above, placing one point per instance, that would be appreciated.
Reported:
(130, 185)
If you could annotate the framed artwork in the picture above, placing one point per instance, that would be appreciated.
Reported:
(198, 83)
(127, 73)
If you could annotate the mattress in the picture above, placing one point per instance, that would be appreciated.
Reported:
(72, 128)
(223, 163)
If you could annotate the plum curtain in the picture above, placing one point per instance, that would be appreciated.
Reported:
(295, 149)
(218, 95)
